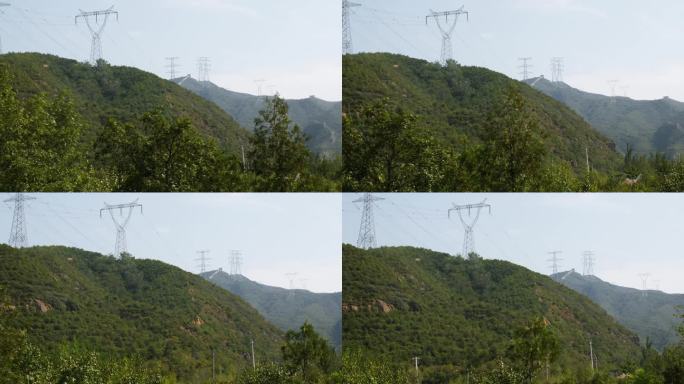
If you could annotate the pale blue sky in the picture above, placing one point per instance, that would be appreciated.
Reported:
(634, 42)
(294, 45)
(628, 233)
(278, 233)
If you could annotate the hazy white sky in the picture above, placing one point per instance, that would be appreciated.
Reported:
(278, 233)
(628, 233)
(631, 41)
(294, 45)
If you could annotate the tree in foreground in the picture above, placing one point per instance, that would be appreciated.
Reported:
(533, 347)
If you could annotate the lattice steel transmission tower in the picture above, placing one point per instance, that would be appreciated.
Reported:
(557, 68)
(120, 247)
(260, 85)
(18, 235)
(291, 277)
(347, 46)
(613, 84)
(446, 30)
(469, 238)
(96, 30)
(366, 239)
(171, 66)
(644, 283)
(202, 260)
(1, 6)
(525, 67)
(235, 262)
(203, 67)
(588, 263)
(554, 260)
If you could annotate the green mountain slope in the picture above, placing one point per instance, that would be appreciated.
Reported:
(132, 307)
(646, 125)
(320, 120)
(454, 101)
(403, 302)
(287, 309)
(651, 316)
(123, 93)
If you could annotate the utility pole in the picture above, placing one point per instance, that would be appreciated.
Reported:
(18, 234)
(588, 263)
(366, 239)
(446, 30)
(1, 6)
(171, 67)
(202, 259)
(203, 66)
(121, 247)
(525, 67)
(644, 283)
(554, 260)
(253, 359)
(469, 238)
(235, 262)
(415, 360)
(591, 355)
(96, 31)
(347, 46)
(557, 69)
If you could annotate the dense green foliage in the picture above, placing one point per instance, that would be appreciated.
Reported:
(286, 309)
(121, 129)
(651, 317)
(319, 119)
(468, 120)
(122, 308)
(460, 315)
(648, 126)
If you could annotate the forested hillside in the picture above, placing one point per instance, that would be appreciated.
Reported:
(319, 120)
(652, 314)
(125, 308)
(459, 315)
(287, 309)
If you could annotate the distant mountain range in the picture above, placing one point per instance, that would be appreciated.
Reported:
(320, 120)
(131, 307)
(647, 125)
(287, 309)
(400, 302)
(650, 316)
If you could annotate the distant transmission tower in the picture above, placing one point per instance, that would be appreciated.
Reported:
(260, 84)
(613, 84)
(171, 67)
(554, 260)
(557, 69)
(120, 247)
(644, 283)
(291, 277)
(3, 5)
(366, 239)
(446, 30)
(203, 66)
(469, 238)
(656, 284)
(347, 46)
(235, 262)
(624, 89)
(202, 260)
(588, 263)
(18, 234)
(96, 31)
(525, 67)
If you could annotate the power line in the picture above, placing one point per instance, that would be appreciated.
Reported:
(446, 30)
(96, 32)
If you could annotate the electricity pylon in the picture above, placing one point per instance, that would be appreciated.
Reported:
(171, 67)
(554, 260)
(121, 247)
(3, 5)
(202, 259)
(557, 69)
(291, 276)
(96, 31)
(366, 239)
(235, 262)
(613, 84)
(18, 234)
(469, 238)
(644, 283)
(260, 84)
(588, 263)
(525, 67)
(347, 46)
(203, 66)
(446, 30)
